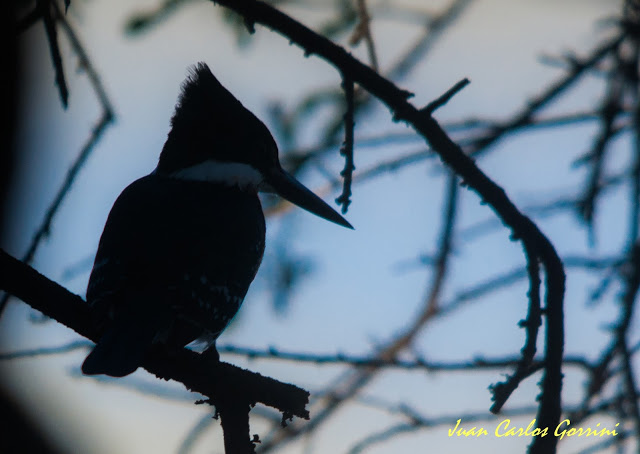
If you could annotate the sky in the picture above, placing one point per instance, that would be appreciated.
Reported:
(358, 295)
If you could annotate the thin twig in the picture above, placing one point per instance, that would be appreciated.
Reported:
(419, 363)
(442, 100)
(347, 148)
(502, 391)
(47, 351)
(363, 31)
(45, 226)
(44, 6)
(107, 117)
(552, 92)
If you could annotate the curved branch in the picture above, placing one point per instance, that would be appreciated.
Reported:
(536, 243)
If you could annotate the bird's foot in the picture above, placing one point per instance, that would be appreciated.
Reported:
(211, 354)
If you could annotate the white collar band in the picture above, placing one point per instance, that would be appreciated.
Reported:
(238, 174)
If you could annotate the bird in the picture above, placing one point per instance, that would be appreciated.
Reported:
(182, 245)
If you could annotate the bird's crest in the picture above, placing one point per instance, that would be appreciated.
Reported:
(202, 94)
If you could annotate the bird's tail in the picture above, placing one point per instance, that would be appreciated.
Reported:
(120, 351)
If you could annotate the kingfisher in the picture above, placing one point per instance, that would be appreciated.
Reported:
(182, 245)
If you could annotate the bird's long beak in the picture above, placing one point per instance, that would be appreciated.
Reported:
(295, 192)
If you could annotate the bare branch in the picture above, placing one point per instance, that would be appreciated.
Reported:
(107, 117)
(455, 158)
(502, 391)
(231, 389)
(347, 148)
(442, 100)
(363, 31)
(44, 8)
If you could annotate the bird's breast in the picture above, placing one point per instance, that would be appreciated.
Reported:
(193, 247)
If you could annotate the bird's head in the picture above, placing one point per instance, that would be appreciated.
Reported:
(215, 138)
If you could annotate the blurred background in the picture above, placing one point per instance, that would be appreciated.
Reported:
(551, 115)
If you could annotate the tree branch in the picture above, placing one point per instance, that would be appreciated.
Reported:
(233, 390)
(44, 8)
(452, 155)
(347, 147)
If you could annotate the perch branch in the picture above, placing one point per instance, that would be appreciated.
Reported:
(233, 390)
